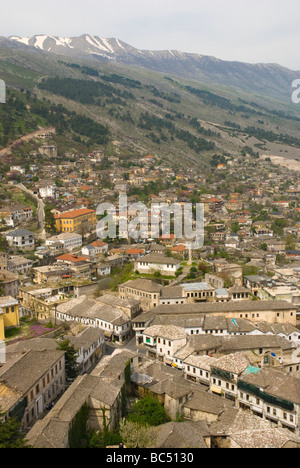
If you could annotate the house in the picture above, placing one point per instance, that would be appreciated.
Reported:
(48, 191)
(114, 321)
(163, 341)
(89, 344)
(135, 253)
(10, 283)
(225, 372)
(48, 150)
(9, 314)
(21, 240)
(198, 292)
(19, 265)
(69, 240)
(100, 392)
(146, 291)
(50, 273)
(183, 435)
(255, 311)
(33, 380)
(103, 269)
(81, 220)
(16, 214)
(180, 250)
(95, 249)
(236, 428)
(152, 263)
(79, 265)
(272, 395)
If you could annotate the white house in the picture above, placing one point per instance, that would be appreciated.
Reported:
(48, 191)
(163, 341)
(94, 249)
(69, 240)
(152, 263)
(21, 239)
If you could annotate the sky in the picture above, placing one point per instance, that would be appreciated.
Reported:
(265, 31)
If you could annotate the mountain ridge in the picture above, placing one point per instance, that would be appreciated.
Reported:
(270, 79)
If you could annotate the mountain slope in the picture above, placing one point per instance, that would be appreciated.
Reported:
(186, 122)
(268, 79)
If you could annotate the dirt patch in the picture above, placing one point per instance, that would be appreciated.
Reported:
(291, 164)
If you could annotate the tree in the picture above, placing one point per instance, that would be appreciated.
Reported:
(290, 242)
(10, 435)
(135, 435)
(50, 221)
(148, 411)
(72, 370)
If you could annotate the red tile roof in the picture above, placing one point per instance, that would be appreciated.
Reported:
(74, 213)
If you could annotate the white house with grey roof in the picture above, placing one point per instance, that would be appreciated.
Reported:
(21, 240)
(152, 263)
(113, 320)
(163, 341)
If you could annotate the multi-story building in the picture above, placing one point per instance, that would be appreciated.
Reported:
(9, 314)
(81, 221)
(32, 382)
(114, 321)
(145, 291)
(10, 283)
(21, 240)
(163, 341)
(69, 241)
(272, 395)
(152, 263)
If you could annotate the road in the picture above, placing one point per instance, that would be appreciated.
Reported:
(24, 139)
(40, 211)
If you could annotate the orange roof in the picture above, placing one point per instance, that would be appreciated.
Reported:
(74, 213)
(99, 244)
(134, 251)
(178, 248)
(167, 237)
(72, 258)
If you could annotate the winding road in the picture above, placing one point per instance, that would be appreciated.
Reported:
(40, 211)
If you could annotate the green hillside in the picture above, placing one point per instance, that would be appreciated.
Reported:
(186, 122)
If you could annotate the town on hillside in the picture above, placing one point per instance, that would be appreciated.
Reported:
(151, 342)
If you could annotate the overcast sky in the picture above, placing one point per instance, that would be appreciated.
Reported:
(246, 30)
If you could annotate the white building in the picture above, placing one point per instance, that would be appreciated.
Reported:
(152, 263)
(48, 191)
(69, 240)
(21, 239)
(163, 341)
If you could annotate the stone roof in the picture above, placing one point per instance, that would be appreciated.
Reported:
(172, 292)
(28, 369)
(223, 307)
(250, 431)
(188, 434)
(143, 285)
(234, 363)
(276, 383)
(159, 259)
(168, 332)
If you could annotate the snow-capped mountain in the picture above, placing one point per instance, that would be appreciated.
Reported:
(269, 79)
(86, 44)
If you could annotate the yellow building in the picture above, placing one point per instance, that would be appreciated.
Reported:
(76, 221)
(9, 314)
(2, 335)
